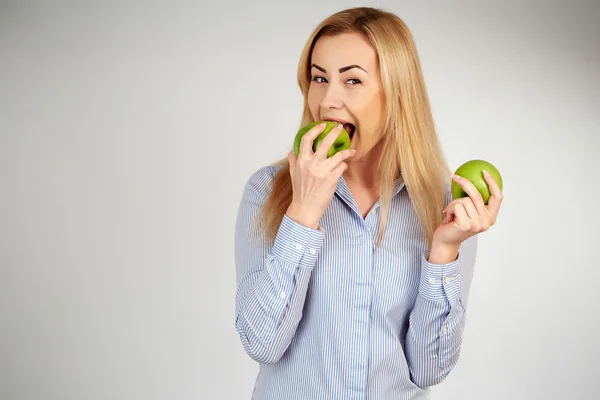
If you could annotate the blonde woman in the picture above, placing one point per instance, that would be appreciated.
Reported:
(353, 271)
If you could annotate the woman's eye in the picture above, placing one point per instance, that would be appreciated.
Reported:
(320, 79)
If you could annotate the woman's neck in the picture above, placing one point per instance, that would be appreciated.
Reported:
(364, 172)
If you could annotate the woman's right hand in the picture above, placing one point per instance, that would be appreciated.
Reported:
(314, 176)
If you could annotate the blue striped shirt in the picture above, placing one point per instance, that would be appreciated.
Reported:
(327, 315)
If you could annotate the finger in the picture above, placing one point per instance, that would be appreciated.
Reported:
(473, 193)
(461, 219)
(450, 210)
(338, 157)
(495, 200)
(470, 209)
(464, 211)
(453, 203)
(339, 170)
(466, 204)
(328, 141)
(306, 143)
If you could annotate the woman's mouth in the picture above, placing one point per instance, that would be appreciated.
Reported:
(350, 129)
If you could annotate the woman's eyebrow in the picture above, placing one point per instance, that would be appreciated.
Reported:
(343, 69)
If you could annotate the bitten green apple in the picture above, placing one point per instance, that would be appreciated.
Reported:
(473, 171)
(342, 142)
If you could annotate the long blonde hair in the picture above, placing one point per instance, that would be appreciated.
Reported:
(410, 147)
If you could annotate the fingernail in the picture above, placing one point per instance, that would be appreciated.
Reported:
(340, 126)
(486, 173)
(455, 177)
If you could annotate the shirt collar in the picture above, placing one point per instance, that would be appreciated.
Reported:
(344, 193)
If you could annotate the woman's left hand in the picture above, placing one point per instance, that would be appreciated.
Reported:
(468, 216)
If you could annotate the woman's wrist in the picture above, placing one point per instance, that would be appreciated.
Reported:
(296, 213)
(443, 253)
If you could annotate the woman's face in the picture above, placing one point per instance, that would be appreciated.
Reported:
(346, 86)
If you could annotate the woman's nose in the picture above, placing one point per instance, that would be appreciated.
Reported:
(332, 98)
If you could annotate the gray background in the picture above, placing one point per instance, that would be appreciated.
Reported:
(127, 132)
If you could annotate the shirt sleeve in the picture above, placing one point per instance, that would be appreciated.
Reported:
(272, 281)
(437, 321)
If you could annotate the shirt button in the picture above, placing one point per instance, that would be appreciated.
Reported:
(298, 247)
(313, 251)
(446, 280)
(282, 295)
(432, 280)
(444, 330)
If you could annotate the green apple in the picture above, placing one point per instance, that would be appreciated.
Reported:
(473, 171)
(341, 143)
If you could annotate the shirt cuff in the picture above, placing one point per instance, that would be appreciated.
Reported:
(439, 282)
(297, 244)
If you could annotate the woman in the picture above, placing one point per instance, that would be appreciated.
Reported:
(351, 282)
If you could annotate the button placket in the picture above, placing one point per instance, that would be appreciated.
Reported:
(371, 221)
